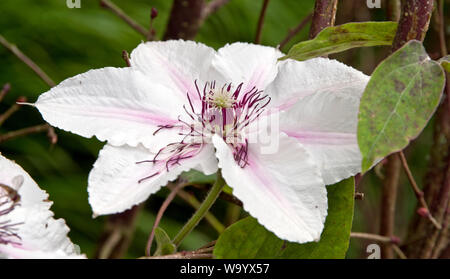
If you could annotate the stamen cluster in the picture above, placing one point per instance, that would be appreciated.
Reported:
(225, 111)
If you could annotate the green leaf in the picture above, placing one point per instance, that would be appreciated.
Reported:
(196, 177)
(399, 99)
(343, 37)
(445, 63)
(247, 239)
(164, 245)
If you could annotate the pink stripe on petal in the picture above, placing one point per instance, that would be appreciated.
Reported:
(287, 104)
(186, 85)
(260, 175)
(155, 118)
(281, 201)
(328, 138)
(256, 80)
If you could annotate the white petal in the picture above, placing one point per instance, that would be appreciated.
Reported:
(283, 190)
(11, 252)
(175, 63)
(114, 181)
(116, 104)
(297, 79)
(324, 116)
(254, 65)
(12, 175)
(326, 125)
(41, 236)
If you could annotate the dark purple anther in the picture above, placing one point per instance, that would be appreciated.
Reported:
(223, 112)
(9, 199)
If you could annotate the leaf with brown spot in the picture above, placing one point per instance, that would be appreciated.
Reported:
(400, 98)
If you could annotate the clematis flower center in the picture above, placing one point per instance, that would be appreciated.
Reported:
(224, 110)
(221, 99)
(9, 199)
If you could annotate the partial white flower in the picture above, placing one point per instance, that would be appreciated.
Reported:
(27, 227)
(182, 105)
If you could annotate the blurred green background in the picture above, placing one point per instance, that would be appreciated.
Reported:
(65, 42)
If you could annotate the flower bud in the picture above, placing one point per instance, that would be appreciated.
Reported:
(423, 212)
(154, 13)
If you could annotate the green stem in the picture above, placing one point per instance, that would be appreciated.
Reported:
(210, 218)
(202, 210)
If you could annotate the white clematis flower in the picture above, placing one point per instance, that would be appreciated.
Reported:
(182, 105)
(27, 227)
